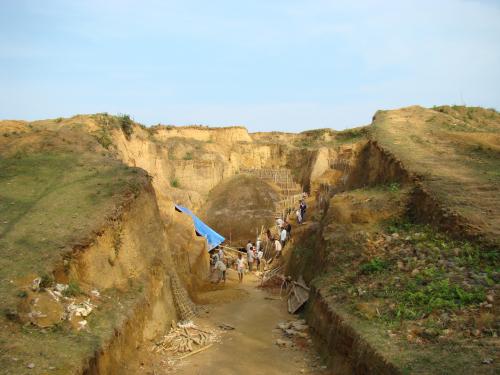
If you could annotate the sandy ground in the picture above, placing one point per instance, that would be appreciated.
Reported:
(248, 349)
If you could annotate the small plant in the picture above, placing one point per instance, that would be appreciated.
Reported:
(175, 183)
(126, 124)
(47, 280)
(373, 266)
(72, 290)
(59, 119)
(22, 294)
(394, 187)
(418, 299)
(188, 156)
(104, 139)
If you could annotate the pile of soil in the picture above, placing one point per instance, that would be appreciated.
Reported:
(239, 207)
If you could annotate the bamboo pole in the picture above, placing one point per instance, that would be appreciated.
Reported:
(196, 351)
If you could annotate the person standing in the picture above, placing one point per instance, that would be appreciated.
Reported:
(283, 237)
(279, 222)
(256, 258)
(249, 245)
(250, 258)
(260, 256)
(288, 228)
(299, 216)
(215, 258)
(240, 267)
(303, 208)
(221, 268)
(277, 248)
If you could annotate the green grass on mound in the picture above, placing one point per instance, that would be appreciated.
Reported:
(53, 197)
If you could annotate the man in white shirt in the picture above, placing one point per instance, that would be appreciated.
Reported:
(260, 256)
(283, 236)
(250, 257)
(240, 267)
(299, 216)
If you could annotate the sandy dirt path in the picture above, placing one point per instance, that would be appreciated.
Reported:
(250, 348)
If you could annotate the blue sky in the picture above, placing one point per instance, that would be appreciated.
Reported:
(268, 65)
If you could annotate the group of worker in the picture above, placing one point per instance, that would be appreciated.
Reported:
(255, 253)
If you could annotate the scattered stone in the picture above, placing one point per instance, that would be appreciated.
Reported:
(445, 318)
(429, 334)
(61, 287)
(81, 309)
(95, 293)
(226, 327)
(487, 361)
(284, 343)
(299, 326)
(82, 324)
(284, 325)
(31, 365)
(415, 272)
(490, 298)
(35, 284)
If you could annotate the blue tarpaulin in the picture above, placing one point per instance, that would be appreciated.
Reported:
(213, 238)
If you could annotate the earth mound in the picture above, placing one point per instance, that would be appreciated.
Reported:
(239, 207)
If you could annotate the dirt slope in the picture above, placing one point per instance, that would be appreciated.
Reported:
(73, 216)
(455, 151)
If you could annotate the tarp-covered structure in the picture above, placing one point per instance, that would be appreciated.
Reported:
(214, 239)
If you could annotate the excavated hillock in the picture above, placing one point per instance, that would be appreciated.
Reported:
(400, 244)
(401, 252)
(85, 252)
(240, 207)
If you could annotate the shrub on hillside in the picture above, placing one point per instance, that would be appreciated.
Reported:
(126, 124)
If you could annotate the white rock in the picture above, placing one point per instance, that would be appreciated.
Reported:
(35, 285)
(61, 287)
(82, 324)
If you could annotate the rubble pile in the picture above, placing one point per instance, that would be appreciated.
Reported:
(292, 332)
(46, 306)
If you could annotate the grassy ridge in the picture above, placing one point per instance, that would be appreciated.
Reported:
(57, 188)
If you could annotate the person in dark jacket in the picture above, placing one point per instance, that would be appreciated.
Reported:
(288, 228)
(303, 208)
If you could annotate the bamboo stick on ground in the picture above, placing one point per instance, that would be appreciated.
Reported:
(196, 351)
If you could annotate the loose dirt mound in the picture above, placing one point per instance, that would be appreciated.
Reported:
(239, 207)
